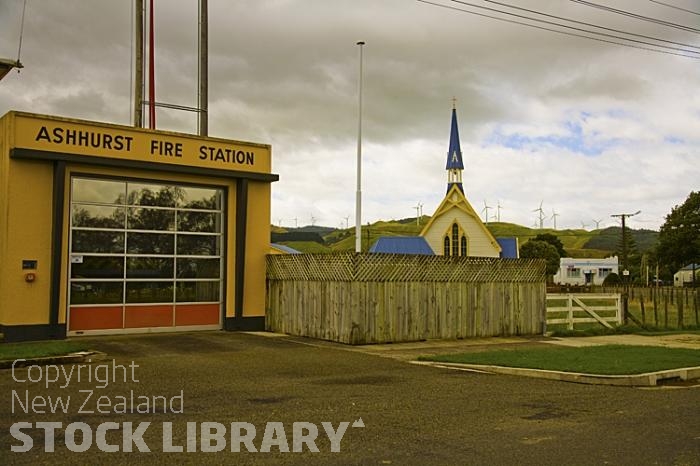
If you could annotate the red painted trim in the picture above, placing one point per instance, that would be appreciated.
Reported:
(196, 314)
(95, 318)
(159, 315)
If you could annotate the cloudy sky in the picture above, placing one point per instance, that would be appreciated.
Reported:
(587, 128)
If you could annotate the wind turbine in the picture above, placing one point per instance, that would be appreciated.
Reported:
(347, 219)
(554, 217)
(419, 212)
(313, 220)
(498, 211)
(486, 210)
(583, 225)
(541, 216)
(597, 223)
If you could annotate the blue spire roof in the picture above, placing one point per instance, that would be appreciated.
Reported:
(454, 154)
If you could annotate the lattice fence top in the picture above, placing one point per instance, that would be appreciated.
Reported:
(348, 267)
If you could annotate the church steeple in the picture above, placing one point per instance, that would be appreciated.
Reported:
(454, 165)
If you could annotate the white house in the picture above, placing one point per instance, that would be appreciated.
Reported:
(585, 271)
(685, 275)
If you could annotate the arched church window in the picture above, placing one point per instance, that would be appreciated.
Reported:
(455, 239)
(463, 246)
(446, 248)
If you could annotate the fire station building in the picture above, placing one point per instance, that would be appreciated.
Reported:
(115, 229)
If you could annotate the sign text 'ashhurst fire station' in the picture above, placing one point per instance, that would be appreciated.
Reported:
(157, 147)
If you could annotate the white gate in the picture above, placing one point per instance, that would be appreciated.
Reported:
(572, 309)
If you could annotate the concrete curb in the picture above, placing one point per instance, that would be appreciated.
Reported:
(72, 358)
(649, 379)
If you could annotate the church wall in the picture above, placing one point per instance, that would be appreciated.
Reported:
(479, 243)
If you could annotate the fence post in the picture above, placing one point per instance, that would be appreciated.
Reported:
(665, 310)
(570, 305)
(679, 303)
(619, 309)
(656, 307)
(641, 303)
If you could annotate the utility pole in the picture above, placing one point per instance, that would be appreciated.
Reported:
(625, 270)
(138, 68)
(203, 104)
(151, 68)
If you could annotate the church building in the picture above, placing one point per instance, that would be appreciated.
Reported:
(455, 229)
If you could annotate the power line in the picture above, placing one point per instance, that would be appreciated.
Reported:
(21, 31)
(591, 24)
(550, 29)
(553, 23)
(675, 7)
(637, 16)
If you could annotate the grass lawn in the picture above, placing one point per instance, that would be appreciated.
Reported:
(39, 349)
(608, 359)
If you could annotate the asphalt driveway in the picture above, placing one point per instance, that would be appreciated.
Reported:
(411, 414)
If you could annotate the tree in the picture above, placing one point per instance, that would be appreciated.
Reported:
(679, 237)
(554, 241)
(634, 258)
(534, 249)
(612, 279)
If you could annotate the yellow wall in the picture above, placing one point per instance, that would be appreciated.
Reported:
(25, 204)
(26, 230)
(257, 246)
(5, 133)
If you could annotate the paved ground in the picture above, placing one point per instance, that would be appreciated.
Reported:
(412, 414)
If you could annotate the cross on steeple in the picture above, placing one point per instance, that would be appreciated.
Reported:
(454, 165)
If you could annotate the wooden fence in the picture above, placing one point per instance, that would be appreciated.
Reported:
(379, 298)
(572, 309)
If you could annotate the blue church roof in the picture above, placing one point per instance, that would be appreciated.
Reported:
(284, 248)
(509, 248)
(454, 153)
(402, 245)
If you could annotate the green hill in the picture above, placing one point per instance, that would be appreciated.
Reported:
(577, 242)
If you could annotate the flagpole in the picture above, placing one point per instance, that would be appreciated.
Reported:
(358, 196)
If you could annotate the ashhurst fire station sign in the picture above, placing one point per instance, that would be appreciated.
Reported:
(139, 145)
